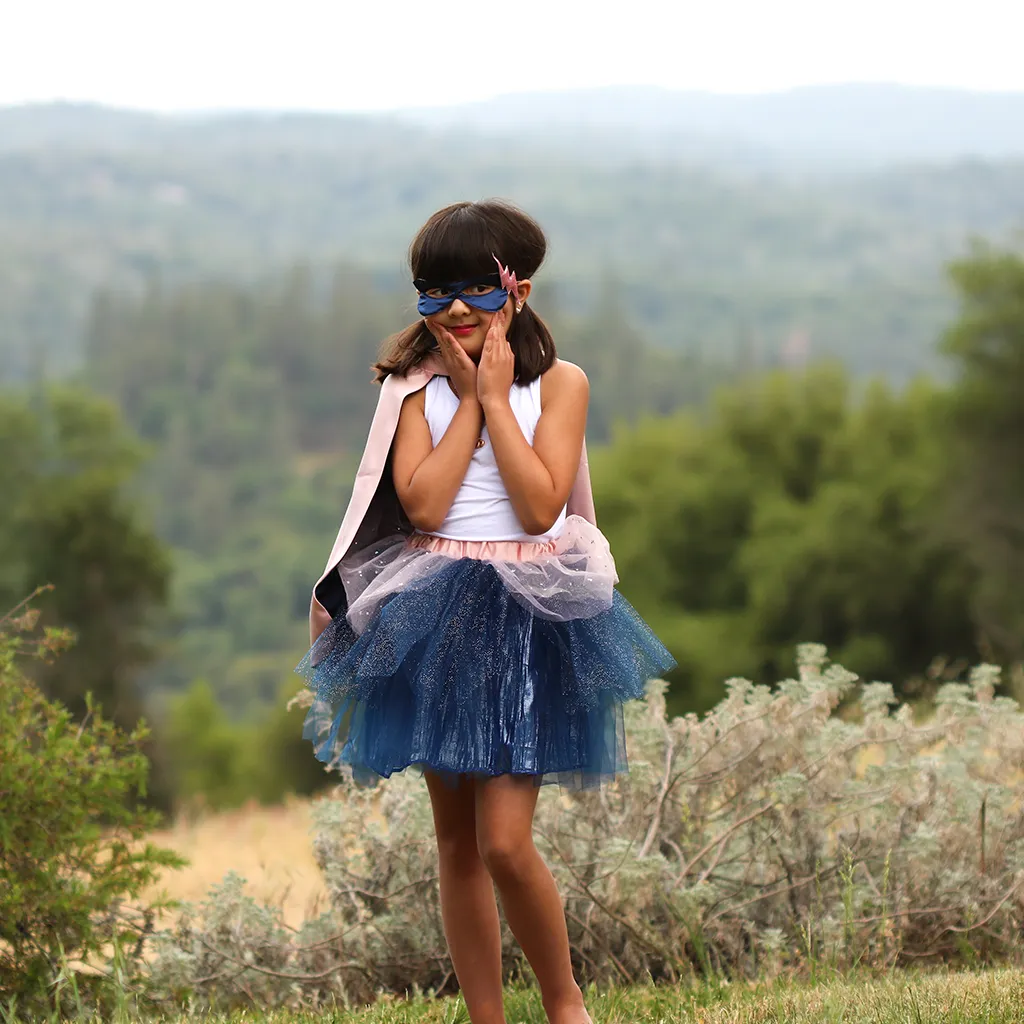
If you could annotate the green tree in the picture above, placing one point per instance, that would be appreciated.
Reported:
(790, 513)
(223, 763)
(68, 520)
(986, 344)
(628, 377)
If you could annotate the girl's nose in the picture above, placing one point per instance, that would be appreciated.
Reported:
(458, 308)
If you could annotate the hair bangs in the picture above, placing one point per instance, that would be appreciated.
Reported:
(456, 244)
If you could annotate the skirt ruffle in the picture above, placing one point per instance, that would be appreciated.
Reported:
(468, 665)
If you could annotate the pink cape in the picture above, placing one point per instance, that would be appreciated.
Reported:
(374, 511)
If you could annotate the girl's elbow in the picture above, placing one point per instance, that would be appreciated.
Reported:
(426, 522)
(423, 516)
(427, 517)
(540, 523)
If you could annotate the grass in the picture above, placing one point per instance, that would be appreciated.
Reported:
(996, 997)
(902, 997)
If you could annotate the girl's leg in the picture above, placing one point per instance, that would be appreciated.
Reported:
(529, 897)
(468, 907)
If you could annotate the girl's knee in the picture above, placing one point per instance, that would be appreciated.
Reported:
(506, 855)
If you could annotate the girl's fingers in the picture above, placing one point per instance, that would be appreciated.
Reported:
(454, 348)
(450, 352)
(494, 328)
(439, 334)
(488, 350)
(446, 349)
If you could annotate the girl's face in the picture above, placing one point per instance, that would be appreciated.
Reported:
(469, 325)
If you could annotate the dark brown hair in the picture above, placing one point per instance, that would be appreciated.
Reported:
(456, 244)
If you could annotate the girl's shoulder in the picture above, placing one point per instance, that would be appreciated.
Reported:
(564, 379)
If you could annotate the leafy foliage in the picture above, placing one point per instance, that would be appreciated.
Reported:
(791, 510)
(771, 835)
(67, 520)
(73, 851)
(987, 414)
(219, 763)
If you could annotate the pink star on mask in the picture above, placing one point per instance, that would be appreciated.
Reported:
(508, 280)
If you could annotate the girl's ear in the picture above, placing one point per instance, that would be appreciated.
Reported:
(525, 287)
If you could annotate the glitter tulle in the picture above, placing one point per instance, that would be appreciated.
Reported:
(481, 659)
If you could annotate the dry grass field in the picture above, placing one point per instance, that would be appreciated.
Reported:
(271, 847)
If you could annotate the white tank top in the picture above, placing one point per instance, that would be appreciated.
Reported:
(482, 509)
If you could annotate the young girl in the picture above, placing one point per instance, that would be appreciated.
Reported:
(467, 622)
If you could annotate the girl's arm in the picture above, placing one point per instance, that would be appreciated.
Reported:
(539, 478)
(428, 478)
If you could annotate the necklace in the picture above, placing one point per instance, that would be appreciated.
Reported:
(480, 442)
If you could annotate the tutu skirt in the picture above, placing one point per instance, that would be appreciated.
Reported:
(481, 658)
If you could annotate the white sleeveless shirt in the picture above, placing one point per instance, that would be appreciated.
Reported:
(482, 509)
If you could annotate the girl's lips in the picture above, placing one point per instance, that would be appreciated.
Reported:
(463, 331)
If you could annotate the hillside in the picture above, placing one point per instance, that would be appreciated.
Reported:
(700, 257)
(856, 124)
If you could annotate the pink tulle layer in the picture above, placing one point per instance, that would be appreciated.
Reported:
(571, 577)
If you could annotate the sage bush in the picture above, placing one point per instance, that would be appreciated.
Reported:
(771, 834)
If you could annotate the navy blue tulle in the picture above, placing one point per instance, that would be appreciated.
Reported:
(455, 676)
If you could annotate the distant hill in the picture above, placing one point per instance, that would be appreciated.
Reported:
(865, 124)
(699, 255)
(860, 124)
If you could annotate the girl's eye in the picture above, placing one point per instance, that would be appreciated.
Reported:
(438, 293)
(480, 289)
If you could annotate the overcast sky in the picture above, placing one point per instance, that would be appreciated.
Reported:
(384, 54)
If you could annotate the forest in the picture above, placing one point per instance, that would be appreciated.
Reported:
(716, 257)
(804, 426)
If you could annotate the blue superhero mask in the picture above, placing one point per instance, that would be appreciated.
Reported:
(484, 292)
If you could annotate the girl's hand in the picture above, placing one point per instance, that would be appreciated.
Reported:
(497, 363)
(461, 369)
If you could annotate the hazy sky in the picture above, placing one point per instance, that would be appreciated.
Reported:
(378, 54)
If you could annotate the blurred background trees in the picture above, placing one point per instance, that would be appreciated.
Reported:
(67, 520)
(792, 507)
(786, 447)
(987, 441)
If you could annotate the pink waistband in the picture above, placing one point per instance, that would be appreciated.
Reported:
(485, 550)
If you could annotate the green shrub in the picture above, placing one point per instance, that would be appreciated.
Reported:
(206, 750)
(219, 763)
(72, 855)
